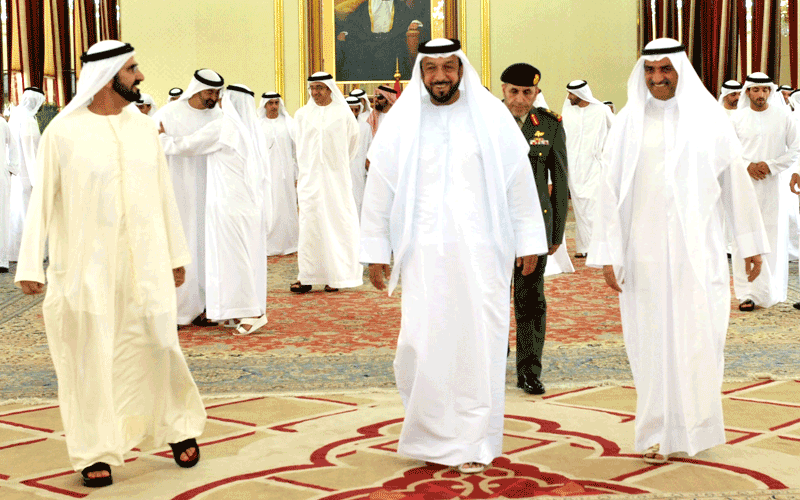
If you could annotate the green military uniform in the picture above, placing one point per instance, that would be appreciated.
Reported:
(544, 133)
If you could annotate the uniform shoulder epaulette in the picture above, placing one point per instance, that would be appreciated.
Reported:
(552, 114)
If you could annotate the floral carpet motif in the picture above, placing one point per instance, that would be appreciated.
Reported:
(573, 443)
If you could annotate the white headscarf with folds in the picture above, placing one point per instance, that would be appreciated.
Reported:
(262, 112)
(22, 118)
(366, 110)
(269, 96)
(354, 101)
(101, 63)
(327, 79)
(761, 80)
(698, 125)
(203, 79)
(581, 89)
(32, 99)
(729, 87)
(498, 137)
(242, 133)
(794, 100)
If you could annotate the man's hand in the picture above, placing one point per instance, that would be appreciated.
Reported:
(611, 279)
(161, 129)
(752, 266)
(553, 249)
(31, 287)
(376, 274)
(794, 183)
(366, 166)
(179, 274)
(758, 170)
(527, 263)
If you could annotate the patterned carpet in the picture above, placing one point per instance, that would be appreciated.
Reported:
(343, 447)
(306, 408)
(345, 340)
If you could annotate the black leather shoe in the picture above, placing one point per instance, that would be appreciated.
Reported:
(3, 269)
(796, 305)
(531, 385)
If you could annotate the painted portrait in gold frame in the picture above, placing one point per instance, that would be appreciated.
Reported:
(363, 47)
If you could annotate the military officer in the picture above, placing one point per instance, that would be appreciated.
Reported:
(544, 132)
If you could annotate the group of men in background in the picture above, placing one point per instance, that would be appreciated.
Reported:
(447, 207)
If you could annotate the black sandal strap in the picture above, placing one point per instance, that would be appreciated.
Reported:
(179, 448)
(97, 482)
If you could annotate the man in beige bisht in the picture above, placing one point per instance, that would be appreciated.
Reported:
(327, 139)
(105, 204)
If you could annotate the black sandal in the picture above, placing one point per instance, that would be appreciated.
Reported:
(298, 287)
(178, 449)
(204, 322)
(97, 482)
(747, 306)
(329, 289)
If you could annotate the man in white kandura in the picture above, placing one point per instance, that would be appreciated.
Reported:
(794, 185)
(105, 204)
(236, 235)
(785, 91)
(729, 100)
(586, 123)
(358, 164)
(194, 109)
(794, 101)
(327, 139)
(771, 142)
(729, 96)
(9, 166)
(361, 94)
(451, 196)
(385, 97)
(794, 223)
(25, 134)
(671, 161)
(278, 127)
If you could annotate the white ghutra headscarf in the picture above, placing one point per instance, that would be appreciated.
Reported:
(101, 63)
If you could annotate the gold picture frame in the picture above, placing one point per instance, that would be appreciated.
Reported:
(320, 20)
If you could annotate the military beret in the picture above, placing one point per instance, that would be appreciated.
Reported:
(521, 74)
